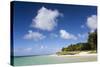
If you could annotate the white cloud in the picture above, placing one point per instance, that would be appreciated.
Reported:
(53, 35)
(85, 35)
(28, 49)
(23, 49)
(42, 47)
(65, 35)
(92, 22)
(46, 19)
(34, 35)
(82, 26)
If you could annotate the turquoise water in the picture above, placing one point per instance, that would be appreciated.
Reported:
(40, 60)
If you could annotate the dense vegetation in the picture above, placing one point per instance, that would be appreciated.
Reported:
(90, 45)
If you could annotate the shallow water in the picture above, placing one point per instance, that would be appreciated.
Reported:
(40, 60)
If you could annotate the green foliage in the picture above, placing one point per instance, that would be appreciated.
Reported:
(92, 40)
(90, 45)
(68, 52)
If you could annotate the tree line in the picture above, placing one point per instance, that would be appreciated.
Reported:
(91, 44)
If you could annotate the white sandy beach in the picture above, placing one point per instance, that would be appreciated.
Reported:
(80, 54)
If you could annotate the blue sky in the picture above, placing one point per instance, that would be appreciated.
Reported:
(41, 28)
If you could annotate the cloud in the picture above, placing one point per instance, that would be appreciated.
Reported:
(85, 35)
(34, 35)
(82, 26)
(42, 47)
(65, 35)
(46, 19)
(28, 49)
(52, 35)
(23, 49)
(92, 23)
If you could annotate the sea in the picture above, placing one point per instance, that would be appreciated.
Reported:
(47, 59)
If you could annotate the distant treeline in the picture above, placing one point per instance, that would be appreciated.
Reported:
(90, 45)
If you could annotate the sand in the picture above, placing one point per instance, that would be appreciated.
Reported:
(79, 54)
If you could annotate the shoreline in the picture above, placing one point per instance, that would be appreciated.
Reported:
(56, 59)
(83, 53)
(80, 54)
